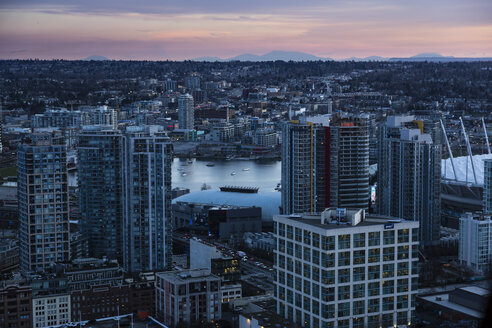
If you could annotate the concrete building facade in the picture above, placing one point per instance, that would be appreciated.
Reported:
(343, 269)
(187, 296)
(475, 243)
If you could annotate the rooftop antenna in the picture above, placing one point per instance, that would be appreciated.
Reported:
(449, 150)
(468, 147)
(484, 131)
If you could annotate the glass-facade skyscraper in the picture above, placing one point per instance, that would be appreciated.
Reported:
(487, 186)
(325, 163)
(100, 180)
(147, 240)
(125, 195)
(409, 171)
(43, 201)
(186, 112)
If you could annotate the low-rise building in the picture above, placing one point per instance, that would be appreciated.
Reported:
(265, 138)
(187, 296)
(206, 256)
(15, 303)
(51, 304)
(465, 305)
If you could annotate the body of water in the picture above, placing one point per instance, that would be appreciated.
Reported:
(194, 173)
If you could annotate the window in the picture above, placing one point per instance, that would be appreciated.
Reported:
(328, 243)
(343, 310)
(389, 237)
(388, 270)
(373, 272)
(298, 267)
(307, 287)
(298, 235)
(289, 232)
(343, 258)
(359, 290)
(316, 240)
(343, 241)
(315, 290)
(360, 240)
(358, 308)
(373, 288)
(403, 236)
(388, 254)
(374, 238)
(389, 304)
(402, 269)
(298, 251)
(315, 257)
(307, 254)
(373, 255)
(328, 311)
(388, 287)
(402, 302)
(307, 270)
(307, 237)
(359, 257)
(343, 276)
(328, 294)
(281, 229)
(290, 248)
(415, 234)
(359, 273)
(328, 260)
(403, 252)
(402, 285)
(315, 272)
(343, 293)
(328, 277)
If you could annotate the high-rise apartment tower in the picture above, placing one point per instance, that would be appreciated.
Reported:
(43, 201)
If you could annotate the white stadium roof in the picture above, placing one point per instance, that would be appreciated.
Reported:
(268, 201)
(462, 165)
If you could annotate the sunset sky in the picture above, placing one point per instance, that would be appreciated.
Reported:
(160, 29)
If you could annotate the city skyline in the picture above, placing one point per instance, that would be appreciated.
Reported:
(159, 30)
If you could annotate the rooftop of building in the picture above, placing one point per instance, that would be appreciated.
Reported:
(187, 276)
(475, 298)
(338, 218)
(478, 216)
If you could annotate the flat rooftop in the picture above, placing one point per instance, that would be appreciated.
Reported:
(442, 301)
(477, 290)
(328, 221)
(187, 276)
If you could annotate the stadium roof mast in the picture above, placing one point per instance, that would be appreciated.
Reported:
(449, 150)
(486, 135)
(468, 147)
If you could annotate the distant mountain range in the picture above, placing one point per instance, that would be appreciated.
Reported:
(96, 57)
(301, 56)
